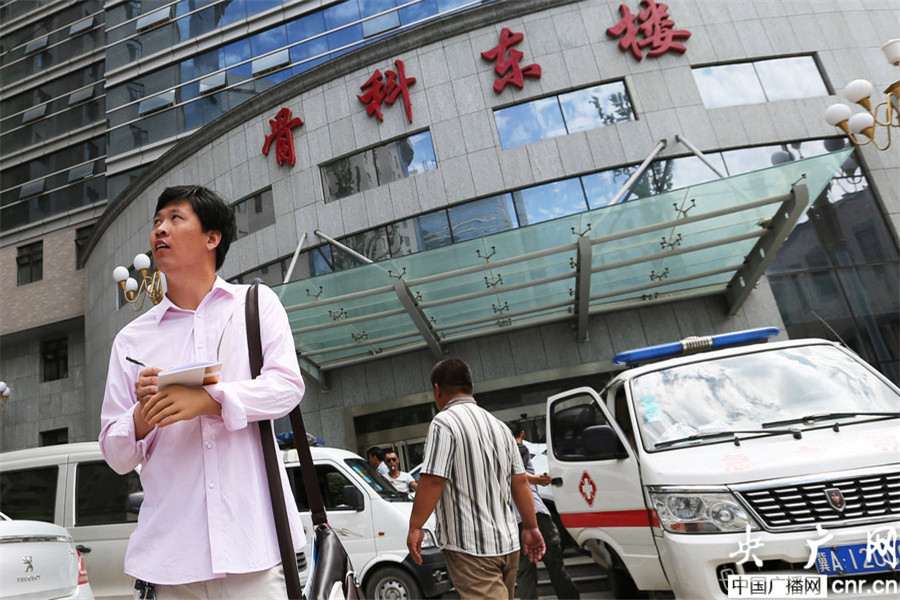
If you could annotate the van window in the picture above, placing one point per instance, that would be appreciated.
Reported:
(569, 418)
(622, 416)
(331, 482)
(29, 493)
(103, 497)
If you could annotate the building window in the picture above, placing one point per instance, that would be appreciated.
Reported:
(397, 159)
(759, 81)
(254, 213)
(55, 437)
(55, 359)
(578, 110)
(30, 262)
(82, 236)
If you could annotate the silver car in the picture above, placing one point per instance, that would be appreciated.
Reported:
(39, 560)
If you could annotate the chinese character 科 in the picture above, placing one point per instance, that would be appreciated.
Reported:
(746, 548)
(814, 545)
(655, 30)
(282, 136)
(502, 64)
(379, 91)
(883, 542)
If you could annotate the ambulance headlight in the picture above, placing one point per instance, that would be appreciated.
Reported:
(428, 541)
(685, 511)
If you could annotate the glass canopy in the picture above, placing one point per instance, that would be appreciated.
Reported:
(711, 238)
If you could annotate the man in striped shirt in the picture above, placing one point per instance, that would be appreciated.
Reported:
(471, 468)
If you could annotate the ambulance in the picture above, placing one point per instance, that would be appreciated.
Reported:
(717, 460)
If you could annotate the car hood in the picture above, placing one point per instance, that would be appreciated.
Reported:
(820, 450)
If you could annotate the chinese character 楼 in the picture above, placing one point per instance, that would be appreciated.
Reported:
(654, 28)
(282, 136)
(502, 64)
(397, 84)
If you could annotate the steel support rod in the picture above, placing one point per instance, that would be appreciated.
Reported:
(346, 249)
(700, 155)
(640, 171)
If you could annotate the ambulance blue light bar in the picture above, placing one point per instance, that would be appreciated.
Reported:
(695, 344)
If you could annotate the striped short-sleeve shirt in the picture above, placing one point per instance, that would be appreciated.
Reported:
(476, 453)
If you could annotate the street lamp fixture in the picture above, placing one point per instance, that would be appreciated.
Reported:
(4, 395)
(860, 127)
(150, 285)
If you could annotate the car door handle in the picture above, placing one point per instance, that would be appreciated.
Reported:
(83, 549)
(556, 482)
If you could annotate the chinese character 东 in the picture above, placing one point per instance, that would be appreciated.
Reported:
(379, 91)
(282, 136)
(746, 549)
(504, 65)
(653, 28)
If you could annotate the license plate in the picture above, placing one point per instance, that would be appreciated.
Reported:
(845, 560)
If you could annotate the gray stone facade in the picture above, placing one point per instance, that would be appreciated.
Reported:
(454, 99)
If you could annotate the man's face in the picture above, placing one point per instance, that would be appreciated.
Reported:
(373, 460)
(177, 238)
(392, 461)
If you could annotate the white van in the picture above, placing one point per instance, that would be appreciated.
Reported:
(71, 485)
(778, 459)
(372, 519)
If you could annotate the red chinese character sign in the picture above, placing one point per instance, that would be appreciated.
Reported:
(281, 134)
(507, 60)
(385, 89)
(650, 27)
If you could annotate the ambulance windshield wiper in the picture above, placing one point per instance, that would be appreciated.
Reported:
(734, 434)
(810, 419)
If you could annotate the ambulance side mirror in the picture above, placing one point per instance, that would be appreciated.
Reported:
(600, 442)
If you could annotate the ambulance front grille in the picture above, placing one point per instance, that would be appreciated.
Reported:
(871, 498)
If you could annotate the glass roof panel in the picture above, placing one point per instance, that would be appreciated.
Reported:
(686, 242)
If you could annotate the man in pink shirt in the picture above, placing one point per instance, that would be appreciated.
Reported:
(205, 527)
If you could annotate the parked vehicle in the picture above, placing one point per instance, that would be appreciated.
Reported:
(72, 486)
(372, 519)
(676, 469)
(39, 560)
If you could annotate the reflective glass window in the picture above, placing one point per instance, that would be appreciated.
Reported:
(422, 158)
(786, 78)
(482, 217)
(549, 201)
(729, 85)
(254, 213)
(373, 244)
(304, 28)
(530, 122)
(382, 23)
(602, 187)
(418, 11)
(339, 16)
(596, 106)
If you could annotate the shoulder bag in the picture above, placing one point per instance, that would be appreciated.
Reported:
(332, 576)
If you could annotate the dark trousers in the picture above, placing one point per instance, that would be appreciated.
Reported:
(526, 578)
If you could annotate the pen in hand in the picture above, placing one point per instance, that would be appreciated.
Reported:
(135, 361)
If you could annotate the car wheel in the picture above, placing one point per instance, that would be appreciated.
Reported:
(392, 583)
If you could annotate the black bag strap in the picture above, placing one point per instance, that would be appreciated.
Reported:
(273, 472)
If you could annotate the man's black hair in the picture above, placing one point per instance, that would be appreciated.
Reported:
(516, 427)
(453, 376)
(377, 453)
(214, 213)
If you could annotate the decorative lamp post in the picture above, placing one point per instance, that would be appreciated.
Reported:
(150, 285)
(861, 127)
(4, 395)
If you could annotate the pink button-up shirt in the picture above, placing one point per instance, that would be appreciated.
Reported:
(206, 509)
